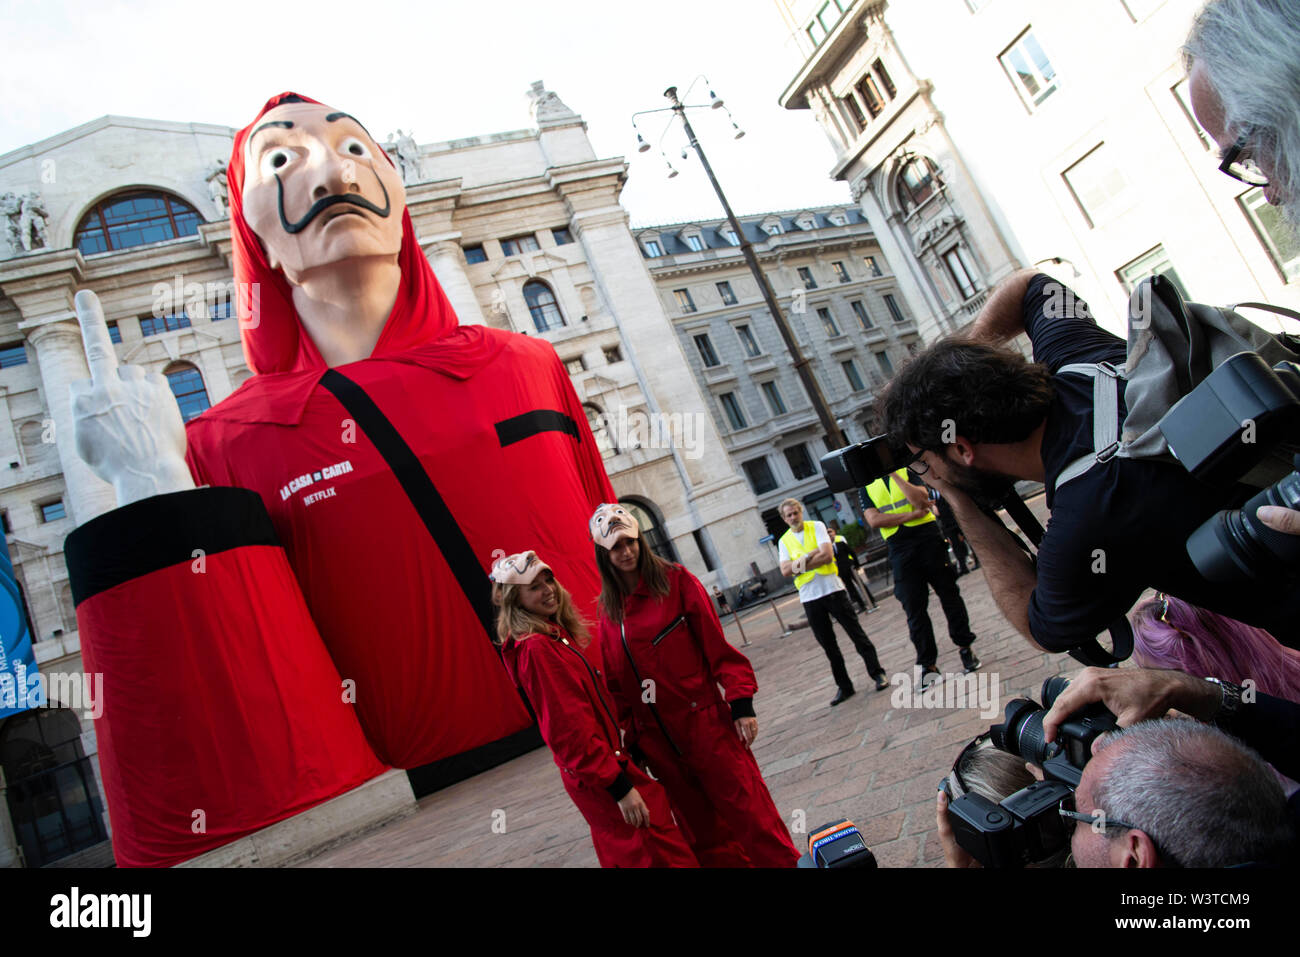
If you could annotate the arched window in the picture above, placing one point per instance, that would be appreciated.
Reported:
(54, 802)
(917, 182)
(187, 385)
(652, 529)
(134, 218)
(542, 304)
(600, 430)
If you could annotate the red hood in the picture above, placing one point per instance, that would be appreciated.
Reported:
(286, 363)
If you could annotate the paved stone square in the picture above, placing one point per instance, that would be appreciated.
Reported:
(865, 760)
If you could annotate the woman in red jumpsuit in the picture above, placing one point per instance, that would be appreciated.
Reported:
(665, 656)
(539, 631)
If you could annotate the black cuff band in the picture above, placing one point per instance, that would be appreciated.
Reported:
(621, 786)
(742, 708)
(162, 531)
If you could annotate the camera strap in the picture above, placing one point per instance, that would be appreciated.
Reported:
(627, 650)
(1105, 418)
(1091, 652)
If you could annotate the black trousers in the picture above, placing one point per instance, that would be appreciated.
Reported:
(836, 605)
(851, 585)
(959, 547)
(920, 562)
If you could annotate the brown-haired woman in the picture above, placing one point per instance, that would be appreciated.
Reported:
(539, 632)
(665, 655)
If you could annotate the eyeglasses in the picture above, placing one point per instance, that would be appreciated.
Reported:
(1097, 818)
(1240, 165)
(1100, 818)
(917, 466)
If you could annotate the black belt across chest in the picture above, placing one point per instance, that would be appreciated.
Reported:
(622, 631)
(424, 495)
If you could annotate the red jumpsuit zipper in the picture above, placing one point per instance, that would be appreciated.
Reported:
(663, 668)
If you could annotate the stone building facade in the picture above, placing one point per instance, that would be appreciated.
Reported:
(848, 314)
(981, 136)
(524, 231)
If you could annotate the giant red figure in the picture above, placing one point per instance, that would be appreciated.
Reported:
(349, 525)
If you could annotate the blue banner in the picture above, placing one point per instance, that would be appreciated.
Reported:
(20, 685)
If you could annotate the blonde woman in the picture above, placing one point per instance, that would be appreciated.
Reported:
(540, 635)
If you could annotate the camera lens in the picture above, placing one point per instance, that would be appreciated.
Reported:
(1052, 689)
(1237, 546)
(1021, 732)
(1031, 744)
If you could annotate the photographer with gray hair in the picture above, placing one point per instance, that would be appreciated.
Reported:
(1166, 792)
(1243, 71)
(1178, 793)
(1244, 79)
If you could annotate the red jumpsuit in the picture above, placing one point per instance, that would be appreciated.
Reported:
(342, 618)
(577, 722)
(665, 680)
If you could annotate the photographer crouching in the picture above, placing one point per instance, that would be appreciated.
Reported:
(1162, 793)
(978, 415)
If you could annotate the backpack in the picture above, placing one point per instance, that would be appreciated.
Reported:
(1172, 346)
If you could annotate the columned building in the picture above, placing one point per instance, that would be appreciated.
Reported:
(981, 136)
(844, 303)
(524, 231)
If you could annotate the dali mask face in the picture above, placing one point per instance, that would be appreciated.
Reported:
(318, 191)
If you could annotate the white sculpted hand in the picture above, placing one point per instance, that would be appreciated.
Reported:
(127, 425)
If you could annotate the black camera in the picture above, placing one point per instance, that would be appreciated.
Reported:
(855, 466)
(1026, 827)
(1021, 733)
(1241, 424)
(1023, 828)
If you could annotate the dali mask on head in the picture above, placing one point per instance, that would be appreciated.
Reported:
(317, 190)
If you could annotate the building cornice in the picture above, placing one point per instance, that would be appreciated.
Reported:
(104, 122)
(667, 266)
(895, 130)
(841, 40)
(477, 142)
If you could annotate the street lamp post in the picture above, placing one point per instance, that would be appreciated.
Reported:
(802, 363)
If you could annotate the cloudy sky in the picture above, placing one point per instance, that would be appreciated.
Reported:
(443, 70)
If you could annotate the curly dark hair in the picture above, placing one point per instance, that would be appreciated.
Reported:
(990, 394)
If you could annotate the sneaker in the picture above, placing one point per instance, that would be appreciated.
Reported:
(882, 681)
(969, 660)
(929, 676)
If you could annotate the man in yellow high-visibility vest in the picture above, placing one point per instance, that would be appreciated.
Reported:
(807, 555)
(901, 511)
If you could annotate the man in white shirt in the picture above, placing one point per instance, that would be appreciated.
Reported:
(808, 555)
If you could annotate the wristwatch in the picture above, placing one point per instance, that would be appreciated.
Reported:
(1229, 704)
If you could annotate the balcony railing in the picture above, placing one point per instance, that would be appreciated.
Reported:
(973, 306)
